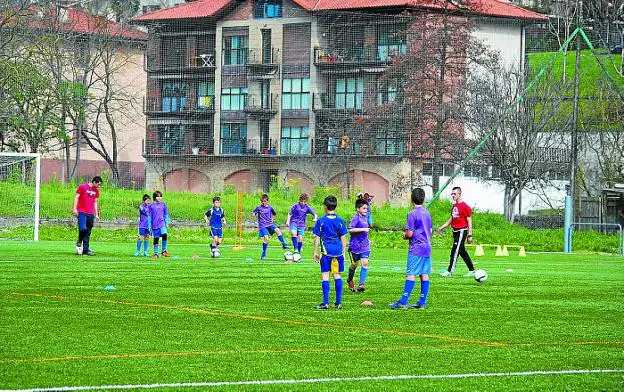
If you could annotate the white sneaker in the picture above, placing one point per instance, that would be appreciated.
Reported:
(470, 274)
(446, 274)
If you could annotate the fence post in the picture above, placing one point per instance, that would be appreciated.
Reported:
(567, 225)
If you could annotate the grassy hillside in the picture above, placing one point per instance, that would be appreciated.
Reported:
(119, 207)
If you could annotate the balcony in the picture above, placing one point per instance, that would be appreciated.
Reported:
(369, 59)
(200, 63)
(263, 64)
(179, 141)
(178, 106)
(248, 147)
(324, 103)
(262, 107)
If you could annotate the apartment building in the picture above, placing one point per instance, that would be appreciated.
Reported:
(242, 91)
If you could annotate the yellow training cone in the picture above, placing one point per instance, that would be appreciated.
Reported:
(479, 251)
(499, 251)
(505, 251)
(522, 253)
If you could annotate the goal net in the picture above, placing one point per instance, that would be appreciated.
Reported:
(19, 187)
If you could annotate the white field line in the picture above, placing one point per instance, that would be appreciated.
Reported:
(318, 380)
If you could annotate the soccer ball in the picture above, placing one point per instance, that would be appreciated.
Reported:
(480, 276)
(78, 250)
(288, 256)
(296, 257)
(215, 253)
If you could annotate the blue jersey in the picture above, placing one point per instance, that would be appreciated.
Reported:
(329, 228)
(216, 216)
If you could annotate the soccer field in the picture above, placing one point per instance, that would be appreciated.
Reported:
(554, 322)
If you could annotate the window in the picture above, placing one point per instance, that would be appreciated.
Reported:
(268, 9)
(171, 139)
(390, 142)
(295, 141)
(390, 43)
(205, 95)
(234, 98)
(388, 92)
(296, 93)
(443, 170)
(174, 97)
(235, 49)
(477, 171)
(233, 138)
(349, 93)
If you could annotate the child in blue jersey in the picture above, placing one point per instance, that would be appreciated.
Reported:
(330, 242)
(159, 214)
(359, 244)
(145, 226)
(296, 221)
(418, 233)
(266, 224)
(215, 217)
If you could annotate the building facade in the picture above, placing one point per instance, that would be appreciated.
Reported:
(240, 93)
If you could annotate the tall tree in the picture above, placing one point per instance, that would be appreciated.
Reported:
(431, 74)
(529, 143)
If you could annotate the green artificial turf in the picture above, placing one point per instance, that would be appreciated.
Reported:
(236, 318)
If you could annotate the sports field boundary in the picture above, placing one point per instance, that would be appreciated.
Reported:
(529, 373)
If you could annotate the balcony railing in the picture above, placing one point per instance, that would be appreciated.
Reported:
(379, 56)
(172, 142)
(178, 106)
(247, 147)
(263, 64)
(259, 106)
(268, 56)
(351, 102)
(198, 62)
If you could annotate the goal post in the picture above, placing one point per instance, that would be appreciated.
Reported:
(24, 170)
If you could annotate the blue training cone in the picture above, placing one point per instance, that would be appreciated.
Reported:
(110, 287)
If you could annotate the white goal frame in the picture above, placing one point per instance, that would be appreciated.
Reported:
(37, 158)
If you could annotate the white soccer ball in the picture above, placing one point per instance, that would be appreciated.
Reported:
(296, 257)
(215, 253)
(78, 250)
(480, 276)
(288, 256)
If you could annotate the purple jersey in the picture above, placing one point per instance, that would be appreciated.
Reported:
(265, 215)
(144, 212)
(419, 222)
(299, 214)
(359, 242)
(159, 212)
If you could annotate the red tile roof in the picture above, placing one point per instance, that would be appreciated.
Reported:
(79, 21)
(191, 10)
(209, 8)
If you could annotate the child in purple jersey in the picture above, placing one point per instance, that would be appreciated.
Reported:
(159, 215)
(296, 221)
(418, 232)
(359, 244)
(266, 224)
(145, 226)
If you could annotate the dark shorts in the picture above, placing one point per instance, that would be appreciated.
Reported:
(269, 230)
(333, 264)
(359, 256)
(216, 232)
(157, 233)
(144, 232)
